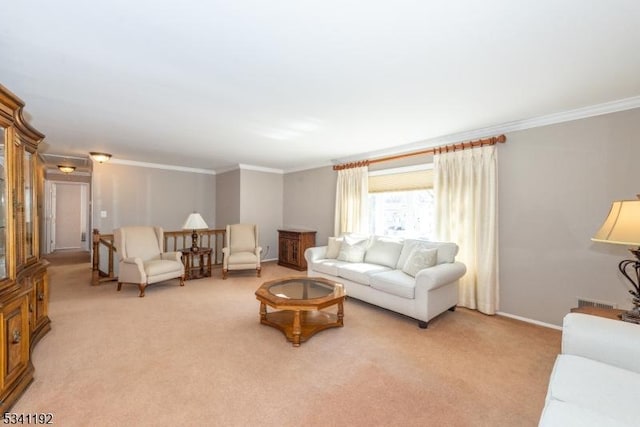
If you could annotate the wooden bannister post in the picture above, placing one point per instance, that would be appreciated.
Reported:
(95, 268)
(111, 250)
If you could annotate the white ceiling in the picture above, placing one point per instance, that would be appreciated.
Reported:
(289, 84)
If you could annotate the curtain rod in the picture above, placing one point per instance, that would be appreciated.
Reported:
(435, 150)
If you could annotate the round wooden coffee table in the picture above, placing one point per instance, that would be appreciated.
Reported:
(300, 301)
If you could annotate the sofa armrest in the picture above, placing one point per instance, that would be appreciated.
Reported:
(439, 275)
(315, 253)
(173, 256)
(606, 340)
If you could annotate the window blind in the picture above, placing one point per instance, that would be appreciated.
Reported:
(414, 180)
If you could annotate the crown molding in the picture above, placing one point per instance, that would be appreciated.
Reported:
(516, 125)
(161, 166)
(242, 166)
(259, 168)
(306, 168)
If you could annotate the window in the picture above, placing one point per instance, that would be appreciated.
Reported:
(401, 203)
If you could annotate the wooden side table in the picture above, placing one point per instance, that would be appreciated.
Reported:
(609, 313)
(202, 268)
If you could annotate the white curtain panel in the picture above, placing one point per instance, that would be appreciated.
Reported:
(352, 190)
(466, 188)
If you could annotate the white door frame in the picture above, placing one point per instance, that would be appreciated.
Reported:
(50, 187)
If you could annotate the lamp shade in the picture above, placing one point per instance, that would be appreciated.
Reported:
(194, 222)
(622, 225)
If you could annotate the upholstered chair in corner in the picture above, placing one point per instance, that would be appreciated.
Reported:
(241, 250)
(141, 259)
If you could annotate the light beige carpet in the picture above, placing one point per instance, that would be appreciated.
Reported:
(197, 355)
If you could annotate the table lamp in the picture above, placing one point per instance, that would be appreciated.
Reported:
(622, 227)
(194, 222)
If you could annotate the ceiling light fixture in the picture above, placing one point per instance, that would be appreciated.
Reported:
(100, 157)
(66, 169)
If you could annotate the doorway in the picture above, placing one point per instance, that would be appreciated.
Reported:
(66, 216)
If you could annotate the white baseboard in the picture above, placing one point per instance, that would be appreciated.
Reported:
(525, 319)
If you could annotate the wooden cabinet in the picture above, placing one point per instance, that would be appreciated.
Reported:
(24, 289)
(15, 340)
(291, 246)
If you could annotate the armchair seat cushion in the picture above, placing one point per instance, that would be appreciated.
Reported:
(157, 267)
(243, 258)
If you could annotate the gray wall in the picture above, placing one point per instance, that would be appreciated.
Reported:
(556, 184)
(309, 201)
(228, 198)
(136, 195)
(261, 203)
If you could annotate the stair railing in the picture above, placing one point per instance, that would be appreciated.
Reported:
(173, 241)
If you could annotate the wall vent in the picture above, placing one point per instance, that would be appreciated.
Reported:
(583, 302)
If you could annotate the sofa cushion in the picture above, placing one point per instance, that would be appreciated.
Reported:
(327, 266)
(557, 413)
(604, 388)
(383, 251)
(333, 247)
(352, 252)
(394, 282)
(446, 251)
(419, 259)
(359, 271)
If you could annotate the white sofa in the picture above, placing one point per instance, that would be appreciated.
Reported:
(596, 378)
(379, 273)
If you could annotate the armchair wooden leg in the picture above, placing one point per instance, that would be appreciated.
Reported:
(422, 325)
(224, 273)
(258, 271)
(452, 308)
(119, 288)
(141, 286)
(182, 280)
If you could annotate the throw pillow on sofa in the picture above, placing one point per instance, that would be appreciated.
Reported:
(352, 252)
(333, 247)
(419, 259)
(384, 251)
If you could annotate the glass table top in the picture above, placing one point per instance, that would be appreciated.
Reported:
(301, 289)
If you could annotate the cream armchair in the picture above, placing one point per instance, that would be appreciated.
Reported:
(141, 260)
(241, 250)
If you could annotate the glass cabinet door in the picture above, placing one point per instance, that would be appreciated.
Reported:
(3, 206)
(27, 170)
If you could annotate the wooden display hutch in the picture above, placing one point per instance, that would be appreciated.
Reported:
(24, 288)
(291, 246)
